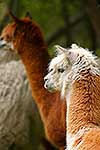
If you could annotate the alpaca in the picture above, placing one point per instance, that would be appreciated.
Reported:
(23, 103)
(15, 101)
(7, 55)
(28, 42)
(83, 107)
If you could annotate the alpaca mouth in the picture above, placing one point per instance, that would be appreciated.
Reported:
(2, 44)
(6, 45)
(50, 88)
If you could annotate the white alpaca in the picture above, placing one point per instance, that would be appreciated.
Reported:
(58, 68)
(83, 109)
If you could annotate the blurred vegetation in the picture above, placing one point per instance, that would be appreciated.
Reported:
(62, 22)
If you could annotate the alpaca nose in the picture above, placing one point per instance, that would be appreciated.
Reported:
(45, 79)
(45, 82)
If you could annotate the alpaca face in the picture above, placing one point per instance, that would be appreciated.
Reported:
(7, 37)
(66, 67)
(10, 35)
(24, 31)
(58, 68)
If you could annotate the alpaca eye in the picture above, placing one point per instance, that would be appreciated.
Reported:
(50, 70)
(1, 38)
(61, 70)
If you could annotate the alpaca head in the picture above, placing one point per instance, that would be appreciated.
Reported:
(7, 36)
(67, 66)
(6, 48)
(57, 70)
(19, 31)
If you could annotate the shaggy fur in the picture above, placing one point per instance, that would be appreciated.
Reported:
(83, 109)
(57, 71)
(29, 43)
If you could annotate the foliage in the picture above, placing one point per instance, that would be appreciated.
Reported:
(50, 16)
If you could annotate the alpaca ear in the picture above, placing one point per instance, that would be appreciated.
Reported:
(15, 19)
(70, 52)
(60, 50)
(28, 15)
(72, 56)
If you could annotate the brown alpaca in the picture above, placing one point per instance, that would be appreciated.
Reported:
(83, 101)
(27, 39)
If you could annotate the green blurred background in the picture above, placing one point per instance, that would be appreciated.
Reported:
(62, 21)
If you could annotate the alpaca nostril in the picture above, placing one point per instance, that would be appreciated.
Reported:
(45, 79)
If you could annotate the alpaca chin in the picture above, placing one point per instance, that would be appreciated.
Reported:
(49, 88)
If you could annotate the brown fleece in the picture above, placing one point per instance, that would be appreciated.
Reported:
(28, 41)
(84, 113)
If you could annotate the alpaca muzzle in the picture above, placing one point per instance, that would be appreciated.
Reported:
(49, 86)
(2, 43)
(6, 44)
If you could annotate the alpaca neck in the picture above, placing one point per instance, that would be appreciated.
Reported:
(35, 60)
(84, 103)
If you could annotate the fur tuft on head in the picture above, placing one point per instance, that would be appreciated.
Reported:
(81, 59)
(60, 50)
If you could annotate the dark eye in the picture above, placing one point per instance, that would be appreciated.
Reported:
(61, 70)
(50, 70)
(1, 38)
